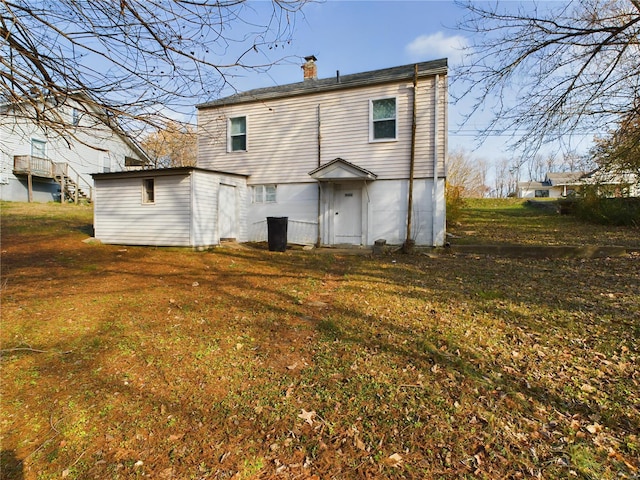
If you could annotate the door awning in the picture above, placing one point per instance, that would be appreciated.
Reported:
(340, 169)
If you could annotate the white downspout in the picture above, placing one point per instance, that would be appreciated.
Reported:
(434, 200)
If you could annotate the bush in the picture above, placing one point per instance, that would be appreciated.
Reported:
(608, 211)
(454, 201)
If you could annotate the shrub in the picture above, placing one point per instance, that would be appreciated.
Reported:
(454, 201)
(609, 211)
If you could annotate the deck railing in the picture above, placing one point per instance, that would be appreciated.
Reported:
(37, 166)
(60, 171)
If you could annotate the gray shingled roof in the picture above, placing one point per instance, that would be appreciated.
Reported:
(374, 77)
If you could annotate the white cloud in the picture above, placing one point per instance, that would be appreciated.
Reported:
(437, 45)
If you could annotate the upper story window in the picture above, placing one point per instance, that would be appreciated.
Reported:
(38, 148)
(383, 120)
(237, 141)
(148, 190)
(75, 117)
(264, 194)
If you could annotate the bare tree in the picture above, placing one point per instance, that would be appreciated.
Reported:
(134, 63)
(555, 68)
(174, 145)
(466, 174)
(507, 175)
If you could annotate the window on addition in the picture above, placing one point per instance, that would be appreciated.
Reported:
(264, 194)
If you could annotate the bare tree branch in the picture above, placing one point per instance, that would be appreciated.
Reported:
(555, 69)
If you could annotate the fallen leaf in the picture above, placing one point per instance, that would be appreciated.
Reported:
(595, 428)
(307, 416)
(394, 460)
(588, 388)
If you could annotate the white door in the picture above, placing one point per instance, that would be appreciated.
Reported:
(227, 216)
(347, 214)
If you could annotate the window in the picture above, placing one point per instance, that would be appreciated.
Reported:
(264, 194)
(148, 190)
(238, 134)
(75, 117)
(541, 193)
(383, 119)
(38, 148)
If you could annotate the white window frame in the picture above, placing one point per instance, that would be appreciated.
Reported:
(43, 143)
(372, 139)
(145, 191)
(230, 136)
(261, 193)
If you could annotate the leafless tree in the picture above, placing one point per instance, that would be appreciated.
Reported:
(133, 62)
(466, 174)
(507, 175)
(555, 68)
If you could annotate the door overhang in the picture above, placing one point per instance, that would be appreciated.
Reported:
(339, 169)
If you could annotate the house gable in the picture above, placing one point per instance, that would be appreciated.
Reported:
(339, 169)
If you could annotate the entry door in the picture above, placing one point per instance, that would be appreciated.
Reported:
(227, 216)
(347, 215)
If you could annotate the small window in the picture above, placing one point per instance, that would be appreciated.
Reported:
(38, 148)
(238, 134)
(264, 194)
(75, 117)
(541, 193)
(148, 190)
(383, 119)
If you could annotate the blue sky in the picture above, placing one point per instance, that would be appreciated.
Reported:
(356, 36)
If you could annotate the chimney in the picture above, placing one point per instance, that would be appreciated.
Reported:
(309, 68)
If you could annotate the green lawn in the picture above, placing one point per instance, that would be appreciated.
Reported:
(123, 362)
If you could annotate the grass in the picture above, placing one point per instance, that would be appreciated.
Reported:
(123, 362)
(515, 222)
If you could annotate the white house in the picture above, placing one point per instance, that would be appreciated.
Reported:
(344, 159)
(563, 184)
(42, 162)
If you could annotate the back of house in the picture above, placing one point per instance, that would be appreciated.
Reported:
(344, 159)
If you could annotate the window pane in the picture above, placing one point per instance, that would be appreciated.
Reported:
(238, 126)
(38, 149)
(270, 194)
(384, 109)
(239, 142)
(258, 194)
(148, 190)
(384, 129)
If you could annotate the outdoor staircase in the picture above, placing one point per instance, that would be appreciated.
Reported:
(70, 190)
(73, 187)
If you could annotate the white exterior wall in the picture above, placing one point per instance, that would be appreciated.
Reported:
(120, 216)
(94, 146)
(297, 202)
(282, 145)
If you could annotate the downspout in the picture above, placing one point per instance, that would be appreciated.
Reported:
(319, 239)
(409, 242)
(434, 209)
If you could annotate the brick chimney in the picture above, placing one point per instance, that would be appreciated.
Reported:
(310, 68)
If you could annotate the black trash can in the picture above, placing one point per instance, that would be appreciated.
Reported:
(277, 233)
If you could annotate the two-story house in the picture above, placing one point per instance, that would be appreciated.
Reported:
(348, 160)
(53, 159)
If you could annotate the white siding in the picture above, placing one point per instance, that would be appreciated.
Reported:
(282, 134)
(204, 204)
(122, 218)
(298, 202)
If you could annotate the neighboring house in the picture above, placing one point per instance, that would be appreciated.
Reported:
(342, 158)
(54, 162)
(560, 185)
(555, 185)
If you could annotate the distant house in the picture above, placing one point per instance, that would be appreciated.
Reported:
(560, 185)
(43, 163)
(344, 159)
